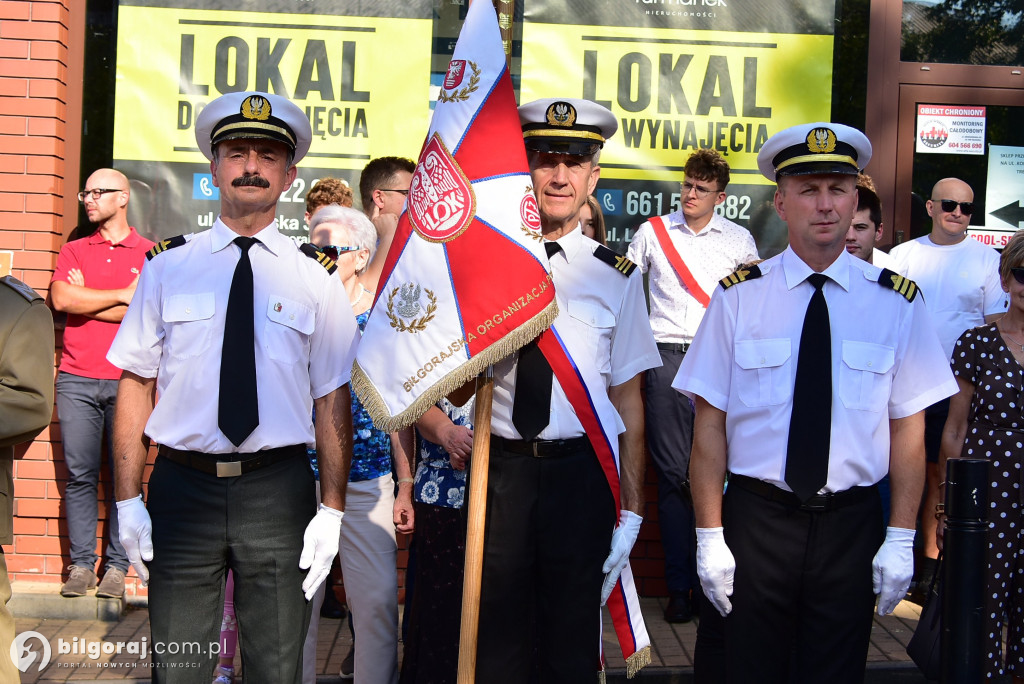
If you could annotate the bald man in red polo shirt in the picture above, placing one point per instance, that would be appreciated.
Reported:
(93, 284)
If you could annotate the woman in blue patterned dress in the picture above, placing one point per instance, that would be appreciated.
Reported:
(433, 618)
(372, 510)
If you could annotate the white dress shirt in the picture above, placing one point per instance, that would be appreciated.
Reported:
(604, 311)
(960, 283)
(710, 255)
(887, 363)
(305, 334)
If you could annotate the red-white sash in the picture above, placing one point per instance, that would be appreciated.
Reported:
(597, 415)
(689, 282)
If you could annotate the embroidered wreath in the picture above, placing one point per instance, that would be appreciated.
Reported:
(462, 94)
(417, 324)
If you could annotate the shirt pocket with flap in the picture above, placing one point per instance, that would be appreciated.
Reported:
(598, 324)
(287, 330)
(865, 375)
(763, 375)
(188, 324)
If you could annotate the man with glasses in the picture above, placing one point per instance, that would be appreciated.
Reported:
(93, 284)
(684, 255)
(959, 278)
(383, 186)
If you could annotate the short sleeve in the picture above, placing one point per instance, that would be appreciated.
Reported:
(138, 345)
(633, 349)
(965, 357)
(637, 252)
(67, 259)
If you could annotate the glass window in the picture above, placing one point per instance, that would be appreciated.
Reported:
(963, 32)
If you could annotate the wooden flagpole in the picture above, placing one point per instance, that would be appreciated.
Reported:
(478, 467)
(479, 464)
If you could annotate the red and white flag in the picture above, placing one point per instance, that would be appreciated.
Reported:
(466, 282)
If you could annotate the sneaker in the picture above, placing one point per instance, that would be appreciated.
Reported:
(112, 585)
(348, 665)
(225, 675)
(80, 581)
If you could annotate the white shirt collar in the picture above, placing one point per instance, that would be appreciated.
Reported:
(270, 237)
(571, 243)
(797, 270)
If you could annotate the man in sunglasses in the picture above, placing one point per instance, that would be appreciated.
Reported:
(383, 186)
(93, 284)
(684, 255)
(959, 278)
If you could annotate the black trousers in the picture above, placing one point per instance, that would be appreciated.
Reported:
(669, 420)
(203, 525)
(802, 600)
(548, 531)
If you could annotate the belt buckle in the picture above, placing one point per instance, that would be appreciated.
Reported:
(820, 506)
(533, 448)
(229, 468)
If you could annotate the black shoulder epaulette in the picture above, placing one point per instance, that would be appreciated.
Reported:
(21, 288)
(894, 281)
(615, 260)
(321, 258)
(164, 245)
(742, 275)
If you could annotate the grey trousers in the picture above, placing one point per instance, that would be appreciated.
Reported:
(86, 410)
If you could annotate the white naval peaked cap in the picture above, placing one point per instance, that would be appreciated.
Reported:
(814, 148)
(566, 126)
(253, 115)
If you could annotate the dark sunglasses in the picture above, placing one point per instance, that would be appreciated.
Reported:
(1018, 274)
(334, 251)
(949, 206)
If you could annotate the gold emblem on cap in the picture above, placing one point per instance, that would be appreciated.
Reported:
(560, 114)
(255, 107)
(821, 140)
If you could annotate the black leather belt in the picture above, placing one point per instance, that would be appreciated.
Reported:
(819, 502)
(543, 448)
(674, 346)
(232, 465)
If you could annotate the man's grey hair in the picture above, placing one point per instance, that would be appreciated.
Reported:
(361, 232)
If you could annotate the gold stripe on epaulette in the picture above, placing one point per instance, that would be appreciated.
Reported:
(624, 265)
(326, 261)
(901, 284)
(734, 277)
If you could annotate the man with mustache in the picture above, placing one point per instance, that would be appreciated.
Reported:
(241, 334)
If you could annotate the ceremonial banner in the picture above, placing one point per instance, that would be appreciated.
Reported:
(466, 282)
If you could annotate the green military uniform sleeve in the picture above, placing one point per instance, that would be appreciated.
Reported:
(26, 367)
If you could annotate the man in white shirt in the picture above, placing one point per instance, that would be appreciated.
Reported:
(806, 407)
(241, 334)
(959, 278)
(684, 255)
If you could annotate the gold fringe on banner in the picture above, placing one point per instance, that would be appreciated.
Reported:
(602, 678)
(382, 418)
(638, 661)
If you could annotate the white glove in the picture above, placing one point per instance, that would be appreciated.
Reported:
(623, 539)
(893, 568)
(716, 567)
(319, 547)
(135, 530)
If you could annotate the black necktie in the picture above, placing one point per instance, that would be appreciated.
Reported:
(810, 427)
(531, 407)
(238, 407)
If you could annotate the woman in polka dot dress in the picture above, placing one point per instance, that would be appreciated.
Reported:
(986, 420)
